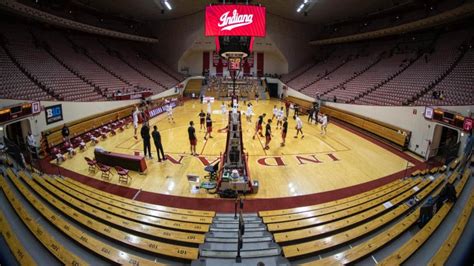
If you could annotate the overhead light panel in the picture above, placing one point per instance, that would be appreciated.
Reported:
(300, 8)
(167, 4)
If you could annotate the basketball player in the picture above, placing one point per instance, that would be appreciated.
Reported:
(268, 134)
(299, 126)
(258, 126)
(249, 113)
(284, 130)
(279, 117)
(275, 112)
(209, 109)
(208, 126)
(202, 119)
(135, 121)
(223, 109)
(192, 138)
(170, 113)
(324, 124)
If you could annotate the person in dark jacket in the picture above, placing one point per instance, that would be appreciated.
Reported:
(157, 140)
(145, 133)
(65, 132)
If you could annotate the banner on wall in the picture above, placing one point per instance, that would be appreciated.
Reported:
(235, 20)
(250, 60)
(216, 59)
(53, 113)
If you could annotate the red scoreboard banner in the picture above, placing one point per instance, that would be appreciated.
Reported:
(235, 20)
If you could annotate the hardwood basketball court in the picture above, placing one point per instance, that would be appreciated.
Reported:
(304, 166)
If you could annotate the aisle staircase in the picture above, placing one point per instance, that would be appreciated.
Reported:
(221, 244)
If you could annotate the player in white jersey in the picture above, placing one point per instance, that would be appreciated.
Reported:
(249, 112)
(275, 112)
(324, 124)
(169, 111)
(209, 109)
(279, 117)
(299, 126)
(135, 121)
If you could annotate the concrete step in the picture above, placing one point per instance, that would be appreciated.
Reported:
(233, 246)
(231, 218)
(243, 254)
(236, 225)
(236, 221)
(234, 240)
(267, 261)
(251, 229)
(231, 214)
(235, 234)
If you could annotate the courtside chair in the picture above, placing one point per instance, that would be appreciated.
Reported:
(92, 164)
(123, 174)
(105, 169)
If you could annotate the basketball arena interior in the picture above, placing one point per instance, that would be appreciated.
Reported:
(243, 132)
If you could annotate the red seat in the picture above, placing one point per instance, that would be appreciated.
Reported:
(105, 169)
(92, 164)
(123, 174)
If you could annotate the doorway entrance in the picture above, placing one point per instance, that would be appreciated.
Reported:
(445, 144)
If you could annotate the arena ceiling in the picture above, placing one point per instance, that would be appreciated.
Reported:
(320, 12)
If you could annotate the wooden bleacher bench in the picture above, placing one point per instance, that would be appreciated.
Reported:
(304, 105)
(204, 216)
(361, 250)
(157, 247)
(434, 170)
(329, 204)
(353, 233)
(449, 244)
(345, 206)
(314, 221)
(91, 243)
(56, 248)
(151, 220)
(93, 212)
(343, 223)
(381, 129)
(16, 247)
(454, 163)
(416, 173)
(412, 245)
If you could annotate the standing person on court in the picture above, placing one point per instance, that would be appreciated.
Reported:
(65, 132)
(157, 140)
(284, 130)
(209, 109)
(192, 138)
(310, 115)
(208, 127)
(268, 134)
(256, 96)
(145, 133)
(324, 124)
(299, 126)
(169, 111)
(202, 119)
(279, 117)
(275, 112)
(135, 115)
(258, 126)
(249, 112)
(287, 108)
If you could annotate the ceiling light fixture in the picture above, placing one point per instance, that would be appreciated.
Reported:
(167, 4)
(300, 8)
